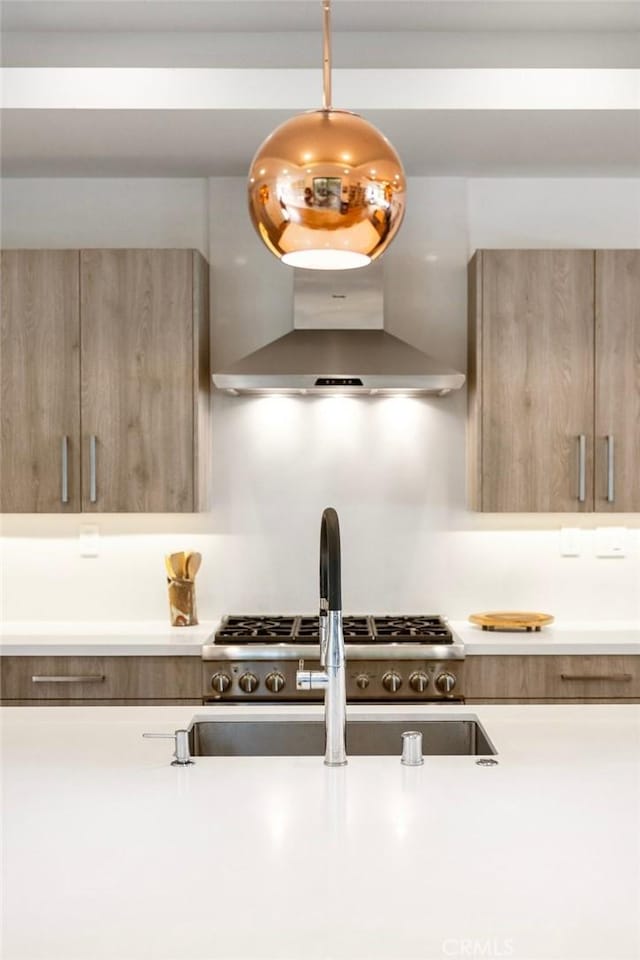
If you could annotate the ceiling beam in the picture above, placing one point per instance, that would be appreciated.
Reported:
(54, 88)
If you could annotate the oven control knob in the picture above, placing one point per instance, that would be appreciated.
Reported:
(445, 683)
(220, 682)
(274, 682)
(419, 681)
(362, 681)
(248, 682)
(392, 681)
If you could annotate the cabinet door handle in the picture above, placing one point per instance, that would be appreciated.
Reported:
(93, 486)
(90, 678)
(611, 465)
(582, 468)
(64, 493)
(581, 678)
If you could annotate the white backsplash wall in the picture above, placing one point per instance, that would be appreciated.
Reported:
(393, 467)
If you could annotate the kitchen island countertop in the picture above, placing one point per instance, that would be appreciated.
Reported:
(109, 852)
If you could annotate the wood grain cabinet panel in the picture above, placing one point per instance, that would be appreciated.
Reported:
(104, 381)
(39, 381)
(104, 703)
(100, 679)
(145, 389)
(531, 380)
(557, 678)
(554, 356)
(617, 429)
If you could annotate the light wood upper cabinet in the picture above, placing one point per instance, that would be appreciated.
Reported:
(142, 327)
(531, 380)
(109, 348)
(617, 428)
(40, 377)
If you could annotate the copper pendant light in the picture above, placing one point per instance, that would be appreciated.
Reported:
(326, 188)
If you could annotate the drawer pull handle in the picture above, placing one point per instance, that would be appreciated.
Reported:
(90, 678)
(621, 677)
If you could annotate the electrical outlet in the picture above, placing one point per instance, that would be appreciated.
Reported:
(570, 541)
(89, 540)
(611, 542)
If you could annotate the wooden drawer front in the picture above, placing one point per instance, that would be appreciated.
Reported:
(557, 677)
(103, 703)
(100, 678)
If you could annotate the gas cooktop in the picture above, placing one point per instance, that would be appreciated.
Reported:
(413, 658)
(417, 629)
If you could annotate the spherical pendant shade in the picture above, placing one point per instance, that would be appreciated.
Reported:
(326, 191)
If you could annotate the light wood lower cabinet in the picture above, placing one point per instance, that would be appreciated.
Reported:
(579, 679)
(100, 680)
(121, 681)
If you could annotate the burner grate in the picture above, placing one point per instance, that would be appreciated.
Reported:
(424, 629)
(355, 629)
(256, 629)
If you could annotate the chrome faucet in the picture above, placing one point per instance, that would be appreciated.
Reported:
(332, 655)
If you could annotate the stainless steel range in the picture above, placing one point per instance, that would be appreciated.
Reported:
(403, 659)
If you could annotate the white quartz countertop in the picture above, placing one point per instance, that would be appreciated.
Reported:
(612, 637)
(109, 852)
(110, 639)
(156, 638)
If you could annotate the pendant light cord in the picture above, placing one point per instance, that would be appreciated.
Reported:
(326, 55)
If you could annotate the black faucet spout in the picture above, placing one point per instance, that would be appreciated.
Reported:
(330, 573)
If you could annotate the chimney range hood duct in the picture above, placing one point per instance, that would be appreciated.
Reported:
(339, 346)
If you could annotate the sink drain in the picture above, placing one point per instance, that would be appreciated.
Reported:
(486, 762)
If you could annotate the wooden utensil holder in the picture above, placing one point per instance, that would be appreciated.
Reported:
(182, 603)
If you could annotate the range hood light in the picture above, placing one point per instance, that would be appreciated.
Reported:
(311, 210)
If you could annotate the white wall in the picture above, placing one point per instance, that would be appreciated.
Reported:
(393, 467)
(563, 213)
(104, 213)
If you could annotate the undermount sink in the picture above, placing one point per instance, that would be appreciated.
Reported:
(306, 738)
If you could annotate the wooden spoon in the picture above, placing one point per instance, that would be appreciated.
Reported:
(193, 565)
(177, 565)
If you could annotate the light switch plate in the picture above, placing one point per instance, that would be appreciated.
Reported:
(570, 541)
(89, 540)
(611, 542)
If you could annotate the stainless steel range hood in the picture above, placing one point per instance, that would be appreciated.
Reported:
(338, 346)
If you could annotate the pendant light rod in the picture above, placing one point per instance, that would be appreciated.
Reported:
(326, 55)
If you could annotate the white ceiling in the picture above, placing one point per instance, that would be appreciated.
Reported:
(382, 50)
(352, 15)
(514, 128)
